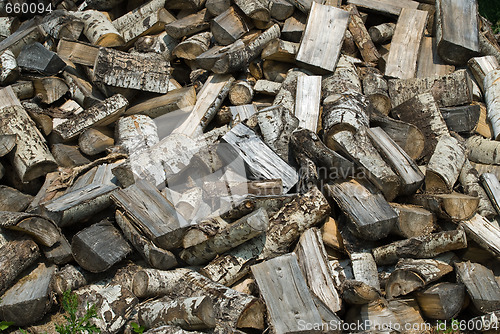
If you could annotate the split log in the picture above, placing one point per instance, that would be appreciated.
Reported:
(266, 87)
(62, 24)
(288, 90)
(429, 63)
(229, 26)
(408, 171)
(9, 71)
(242, 113)
(457, 31)
(50, 89)
(312, 260)
(314, 42)
(423, 247)
(385, 7)
(233, 61)
(114, 303)
(152, 214)
(31, 158)
(7, 143)
(147, 19)
(481, 66)
(29, 299)
(483, 151)
(208, 102)
(161, 43)
(36, 58)
(188, 25)
(358, 293)
(444, 165)
(484, 233)
(205, 229)
(423, 112)
(8, 26)
(193, 46)
(78, 205)
(294, 27)
(280, 9)
(382, 33)
(274, 277)
(69, 278)
(449, 90)
(231, 236)
(99, 29)
(155, 256)
(308, 98)
(39, 115)
(143, 72)
(442, 301)
(13, 200)
(413, 221)
(15, 256)
(44, 231)
(231, 307)
(81, 90)
(264, 163)
(99, 247)
(77, 52)
(331, 235)
(254, 9)
(364, 269)
(31, 33)
(492, 187)
(375, 87)
(454, 206)
(101, 114)
(469, 179)
(217, 7)
(187, 313)
(462, 119)
(402, 59)
(481, 285)
(241, 92)
(177, 99)
(361, 36)
(370, 216)
(95, 140)
(280, 50)
(68, 156)
(136, 133)
(491, 92)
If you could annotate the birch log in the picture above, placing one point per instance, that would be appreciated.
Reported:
(308, 99)
(484, 233)
(382, 33)
(492, 91)
(455, 206)
(375, 87)
(444, 165)
(481, 66)
(483, 151)
(469, 179)
(31, 158)
(136, 133)
(193, 46)
(423, 247)
(99, 29)
(9, 71)
(288, 91)
(344, 80)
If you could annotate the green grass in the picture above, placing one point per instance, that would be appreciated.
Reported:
(490, 9)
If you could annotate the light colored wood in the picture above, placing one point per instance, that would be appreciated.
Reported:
(280, 50)
(449, 90)
(402, 59)
(454, 206)
(8, 26)
(441, 301)
(481, 66)
(99, 29)
(375, 87)
(281, 9)
(241, 92)
(457, 31)
(429, 63)
(492, 187)
(150, 73)
(364, 269)
(307, 101)
(408, 171)
(177, 99)
(50, 89)
(294, 27)
(288, 90)
(209, 100)
(385, 7)
(492, 89)
(312, 259)
(188, 25)
(481, 285)
(331, 235)
(287, 307)
(31, 158)
(161, 43)
(193, 46)
(370, 216)
(483, 150)
(267, 87)
(229, 26)
(101, 114)
(382, 33)
(9, 71)
(423, 247)
(484, 233)
(413, 221)
(95, 140)
(315, 43)
(23, 89)
(470, 181)
(136, 133)
(344, 79)
(361, 37)
(62, 24)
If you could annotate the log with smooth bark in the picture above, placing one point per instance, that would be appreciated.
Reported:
(31, 158)
(481, 66)
(70, 278)
(193, 46)
(288, 90)
(135, 133)
(492, 89)
(426, 246)
(9, 71)
(375, 87)
(254, 9)
(483, 151)
(469, 179)
(382, 33)
(99, 29)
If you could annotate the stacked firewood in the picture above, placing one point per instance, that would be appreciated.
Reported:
(251, 166)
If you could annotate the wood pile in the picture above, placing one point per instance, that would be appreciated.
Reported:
(251, 166)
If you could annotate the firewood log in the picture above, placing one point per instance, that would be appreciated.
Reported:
(32, 157)
(413, 221)
(8, 26)
(483, 232)
(77, 52)
(162, 43)
(70, 278)
(364, 269)
(136, 133)
(68, 156)
(370, 216)
(95, 140)
(487, 323)
(187, 313)
(375, 87)
(429, 63)
(43, 230)
(386, 8)
(188, 25)
(481, 285)
(193, 46)
(13, 200)
(254, 9)
(241, 92)
(177, 99)
(462, 119)
(267, 87)
(454, 206)
(231, 307)
(481, 66)
(188, 5)
(9, 72)
(457, 45)
(382, 33)
(294, 27)
(361, 36)
(442, 301)
(29, 299)
(229, 26)
(62, 24)
(426, 246)
(288, 90)
(307, 105)
(491, 88)
(101, 114)
(482, 150)
(100, 30)
(15, 42)
(469, 179)
(217, 7)
(280, 50)
(449, 90)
